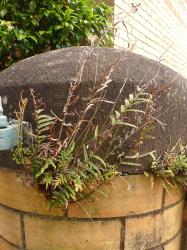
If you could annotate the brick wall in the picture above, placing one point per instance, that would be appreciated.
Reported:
(155, 28)
(117, 222)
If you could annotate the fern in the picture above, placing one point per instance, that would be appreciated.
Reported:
(65, 163)
(171, 166)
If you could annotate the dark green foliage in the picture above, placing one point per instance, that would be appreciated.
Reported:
(31, 27)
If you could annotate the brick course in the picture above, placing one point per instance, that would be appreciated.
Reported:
(140, 220)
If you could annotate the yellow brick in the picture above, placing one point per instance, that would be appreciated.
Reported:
(5, 246)
(173, 220)
(143, 233)
(26, 198)
(122, 197)
(10, 226)
(173, 195)
(174, 244)
(151, 230)
(43, 234)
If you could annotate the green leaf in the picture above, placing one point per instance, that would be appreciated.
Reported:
(41, 138)
(74, 198)
(113, 120)
(46, 165)
(66, 193)
(37, 162)
(82, 174)
(123, 109)
(21, 36)
(71, 147)
(38, 174)
(44, 125)
(33, 38)
(43, 118)
(60, 180)
(127, 124)
(47, 179)
(146, 174)
(35, 22)
(99, 159)
(91, 171)
(72, 192)
(46, 21)
(127, 103)
(3, 12)
(131, 97)
(41, 32)
(52, 163)
(91, 164)
(32, 6)
(117, 114)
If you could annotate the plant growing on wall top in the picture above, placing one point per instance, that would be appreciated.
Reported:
(71, 154)
(36, 26)
(171, 165)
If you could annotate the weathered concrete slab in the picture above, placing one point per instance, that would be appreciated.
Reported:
(51, 73)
